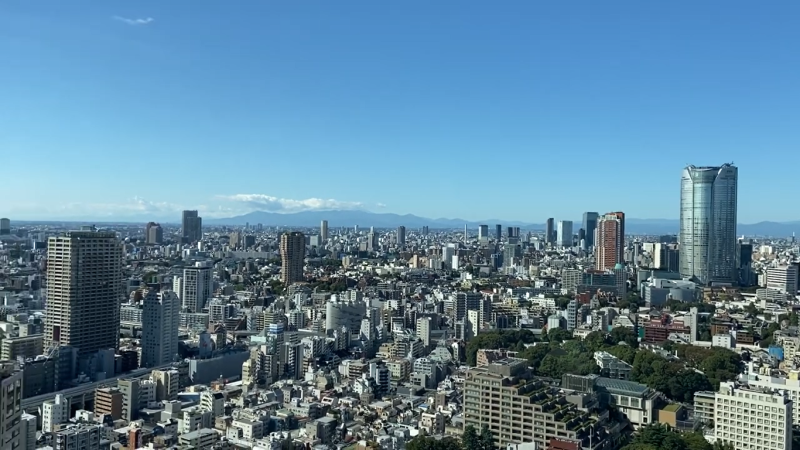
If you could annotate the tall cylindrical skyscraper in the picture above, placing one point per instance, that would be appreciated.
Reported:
(708, 223)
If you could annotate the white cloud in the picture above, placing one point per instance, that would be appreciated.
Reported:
(145, 21)
(269, 203)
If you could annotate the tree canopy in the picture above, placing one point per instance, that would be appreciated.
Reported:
(661, 437)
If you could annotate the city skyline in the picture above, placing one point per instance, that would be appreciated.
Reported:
(548, 86)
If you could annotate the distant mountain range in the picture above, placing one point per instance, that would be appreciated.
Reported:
(388, 220)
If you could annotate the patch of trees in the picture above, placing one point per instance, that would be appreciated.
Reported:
(662, 437)
(470, 440)
(501, 339)
(718, 364)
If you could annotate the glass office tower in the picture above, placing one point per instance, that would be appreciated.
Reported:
(708, 224)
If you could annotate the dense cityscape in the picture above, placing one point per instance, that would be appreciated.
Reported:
(578, 336)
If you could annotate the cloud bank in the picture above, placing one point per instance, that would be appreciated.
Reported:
(135, 22)
(269, 203)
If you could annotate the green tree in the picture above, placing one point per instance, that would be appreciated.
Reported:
(623, 334)
(595, 341)
(696, 441)
(562, 302)
(470, 439)
(685, 383)
(558, 335)
(486, 439)
(660, 436)
(623, 352)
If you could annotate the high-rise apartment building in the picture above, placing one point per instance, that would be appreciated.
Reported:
(84, 291)
(196, 286)
(752, 418)
(192, 227)
(401, 236)
(5, 227)
(589, 225)
(609, 248)
(708, 224)
(154, 234)
(11, 436)
(564, 233)
(160, 322)
(323, 230)
(550, 231)
(293, 254)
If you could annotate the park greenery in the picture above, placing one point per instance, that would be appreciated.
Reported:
(470, 440)
(556, 354)
(661, 437)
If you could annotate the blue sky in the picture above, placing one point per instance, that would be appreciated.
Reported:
(517, 110)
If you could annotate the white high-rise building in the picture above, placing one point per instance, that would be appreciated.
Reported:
(197, 286)
(160, 322)
(752, 419)
(783, 278)
(54, 412)
(84, 291)
(564, 233)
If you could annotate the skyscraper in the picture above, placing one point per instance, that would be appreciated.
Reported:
(708, 223)
(564, 233)
(5, 226)
(11, 406)
(192, 227)
(323, 230)
(589, 225)
(84, 289)
(550, 231)
(498, 232)
(154, 234)
(293, 254)
(483, 232)
(401, 236)
(160, 322)
(609, 248)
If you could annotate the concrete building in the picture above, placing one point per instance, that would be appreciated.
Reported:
(783, 278)
(84, 291)
(192, 227)
(752, 418)
(108, 401)
(11, 436)
(550, 231)
(54, 412)
(610, 241)
(483, 232)
(293, 253)
(154, 234)
(401, 236)
(5, 227)
(564, 233)
(708, 224)
(196, 286)
(518, 408)
(25, 347)
(160, 323)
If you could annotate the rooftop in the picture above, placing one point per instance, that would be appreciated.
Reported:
(622, 386)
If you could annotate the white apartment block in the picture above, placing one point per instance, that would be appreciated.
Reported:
(197, 286)
(54, 412)
(751, 418)
(160, 322)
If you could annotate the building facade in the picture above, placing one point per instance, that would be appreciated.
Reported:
(192, 227)
(609, 241)
(293, 253)
(708, 224)
(84, 290)
(160, 323)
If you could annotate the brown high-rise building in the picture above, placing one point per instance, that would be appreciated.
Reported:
(610, 241)
(293, 255)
